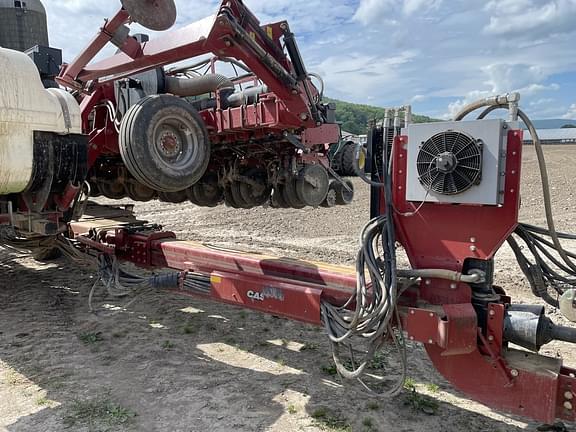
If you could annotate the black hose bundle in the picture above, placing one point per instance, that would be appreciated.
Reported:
(371, 313)
(546, 271)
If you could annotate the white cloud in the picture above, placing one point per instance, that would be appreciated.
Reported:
(428, 52)
(504, 77)
(531, 18)
(381, 11)
(571, 114)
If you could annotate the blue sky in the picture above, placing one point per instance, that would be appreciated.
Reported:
(436, 54)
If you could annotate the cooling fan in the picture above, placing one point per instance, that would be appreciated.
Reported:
(449, 163)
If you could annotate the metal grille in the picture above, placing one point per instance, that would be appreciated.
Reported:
(449, 163)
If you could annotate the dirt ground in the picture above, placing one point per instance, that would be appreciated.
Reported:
(166, 363)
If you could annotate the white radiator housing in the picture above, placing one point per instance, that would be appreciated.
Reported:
(492, 138)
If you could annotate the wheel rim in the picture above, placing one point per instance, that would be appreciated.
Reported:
(176, 144)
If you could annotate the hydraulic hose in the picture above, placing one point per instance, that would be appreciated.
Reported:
(487, 102)
(441, 274)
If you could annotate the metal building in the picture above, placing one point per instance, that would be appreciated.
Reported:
(553, 136)
(23, 24)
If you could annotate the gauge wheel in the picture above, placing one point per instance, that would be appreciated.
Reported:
(291, 196)
(330, 200)
(207, 191)
(343, 196)
(229, 198)
(114, 190)
(173, 197)
(312, 185)
(256, 196)
(139, 192)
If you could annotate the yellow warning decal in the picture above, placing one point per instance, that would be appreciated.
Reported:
(270, 32)
(215, 279)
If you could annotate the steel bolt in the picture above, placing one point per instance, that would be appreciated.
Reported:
(453, 286)
(411, 337)
(431, 314)
(490, 338)
(428, 282)
(430, 341)
(412, 312)
(473, 248)
(492, 312)
(472, 239)
(568, 395)
(514, 373)
(568, 405)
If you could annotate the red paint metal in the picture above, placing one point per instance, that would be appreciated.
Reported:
(290, 299)
(441, 244)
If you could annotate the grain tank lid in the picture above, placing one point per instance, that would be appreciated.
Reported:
(31, 5)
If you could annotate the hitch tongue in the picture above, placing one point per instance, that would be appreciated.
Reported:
(528, 327)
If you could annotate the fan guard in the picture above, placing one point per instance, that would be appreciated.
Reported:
(450, 163)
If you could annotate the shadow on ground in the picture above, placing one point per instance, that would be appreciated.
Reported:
(184, 365)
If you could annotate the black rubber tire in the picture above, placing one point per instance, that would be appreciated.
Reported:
(309, 194)
(94, 190)
(237, 195)
(277, 199)
(207, 192)
(291, 196)
(114, 191)
(229, 198)
(347, 166)
(248, 193)
(146, 155)
(344, 197)
(191, 193)
(330, 200)
(139, 192)
(173, 197)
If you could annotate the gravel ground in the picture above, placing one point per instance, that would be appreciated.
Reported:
(165, 363)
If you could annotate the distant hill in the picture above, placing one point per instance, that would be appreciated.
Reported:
(552, 123)
(355, 117)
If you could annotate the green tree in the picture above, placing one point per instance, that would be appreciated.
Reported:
(356, 117)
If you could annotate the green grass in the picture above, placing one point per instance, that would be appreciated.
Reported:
(329, 369)
(330, 421)
(368, 424)
(42, 401)
(373, 405)
(432, 388)
(292, 409)
(309, 346)
(98, 412)
(168, 345)
(188, 329)
(417, 401)
(91, 338)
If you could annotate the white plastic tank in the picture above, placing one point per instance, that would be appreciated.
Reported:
(26, 106)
